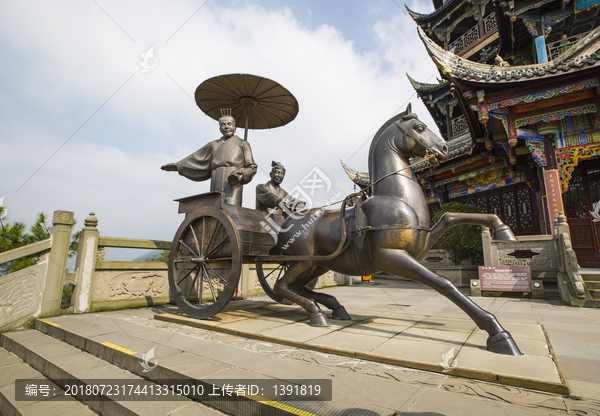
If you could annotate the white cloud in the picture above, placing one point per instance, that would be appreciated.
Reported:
(67, 59)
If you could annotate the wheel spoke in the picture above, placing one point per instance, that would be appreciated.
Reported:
(212, 237)
(200, 287)
(282, 269)
(203, 229)
(222, 278)
(217, 246)
(273, 271)
(212, 289)
(222, 259)
(192, 286)
(188, 247)
(195, 239)
(188, 273)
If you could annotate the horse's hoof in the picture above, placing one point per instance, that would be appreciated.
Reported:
(339, 312)
(319, 319)
(503, 343)
(504, 233)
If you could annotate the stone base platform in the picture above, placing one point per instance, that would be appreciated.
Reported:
(451, 346)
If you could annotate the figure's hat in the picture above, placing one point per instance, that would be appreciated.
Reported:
(278, 165)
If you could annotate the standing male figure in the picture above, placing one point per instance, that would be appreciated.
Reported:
(271, 196)
(227, 162)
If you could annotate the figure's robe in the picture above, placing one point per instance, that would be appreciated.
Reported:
(268, 197)
(216, 161)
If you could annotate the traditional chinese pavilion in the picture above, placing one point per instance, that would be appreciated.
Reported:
(518, 102)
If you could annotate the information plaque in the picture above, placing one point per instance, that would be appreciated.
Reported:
(505, 278)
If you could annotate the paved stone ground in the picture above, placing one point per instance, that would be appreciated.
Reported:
(443, 344)
(371, 388)
(574, 333)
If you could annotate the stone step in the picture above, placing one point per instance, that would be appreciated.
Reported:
(592, 284)
(57, 360)
(178, 357)
(595, 294)
(13, 368)
(590, 275)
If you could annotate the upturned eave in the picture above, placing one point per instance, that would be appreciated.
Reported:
(584, 54)
(423, 87)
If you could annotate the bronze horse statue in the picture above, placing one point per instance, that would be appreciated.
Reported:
(390, 232)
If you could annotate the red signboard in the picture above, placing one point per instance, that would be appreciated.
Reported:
(505, 278)
(553, 194)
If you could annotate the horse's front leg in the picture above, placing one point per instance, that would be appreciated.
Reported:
(452, 219)
(400, 263)
(286, 287)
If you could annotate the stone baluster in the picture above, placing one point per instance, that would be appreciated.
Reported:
(486, 240)
(567, 256)
(86, 264)
(62, 223)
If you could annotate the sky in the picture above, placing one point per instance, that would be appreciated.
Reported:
(85, 127)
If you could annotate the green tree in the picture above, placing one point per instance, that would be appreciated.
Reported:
(14, 235)
(162, 255)
(462, 242)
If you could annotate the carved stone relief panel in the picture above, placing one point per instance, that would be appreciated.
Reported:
(536, 254)
(253, 282)
(20, 296)
(130, 285)
(328, 279)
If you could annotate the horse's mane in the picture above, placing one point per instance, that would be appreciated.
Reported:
(385, 125)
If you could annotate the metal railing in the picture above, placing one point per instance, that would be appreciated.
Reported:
(472, 36)
(555, 49)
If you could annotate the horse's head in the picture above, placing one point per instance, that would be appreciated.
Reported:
(418, 140)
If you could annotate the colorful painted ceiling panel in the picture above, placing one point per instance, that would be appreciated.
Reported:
(563, 99)
(557, 115)
(521, 177)
(577, 131)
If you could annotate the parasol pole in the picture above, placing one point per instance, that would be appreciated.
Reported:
(248, 103)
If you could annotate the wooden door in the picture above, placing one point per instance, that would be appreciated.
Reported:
(579, 200)
(513, 204)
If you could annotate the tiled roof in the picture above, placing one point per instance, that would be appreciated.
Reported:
(584, 53)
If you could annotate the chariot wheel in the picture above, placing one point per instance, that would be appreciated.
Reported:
(268, 279)
(205, 262)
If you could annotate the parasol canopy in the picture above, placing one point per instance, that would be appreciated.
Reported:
(257, 101)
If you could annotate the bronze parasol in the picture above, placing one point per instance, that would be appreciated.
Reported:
(258, 101)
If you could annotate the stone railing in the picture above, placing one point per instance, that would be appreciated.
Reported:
(109, 285)
(105, 285)
(548, 256)
(36, 291)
